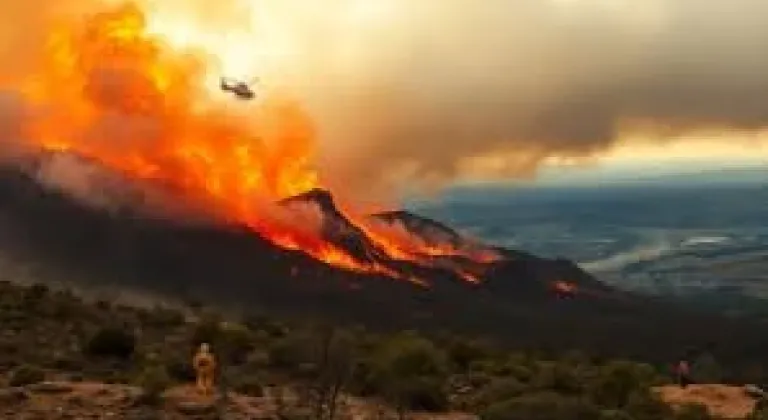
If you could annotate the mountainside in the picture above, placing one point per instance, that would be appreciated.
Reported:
(513, 300)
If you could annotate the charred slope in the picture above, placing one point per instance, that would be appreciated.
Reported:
(423, 227)
(227, 264)
(517, 274)
(337, 228)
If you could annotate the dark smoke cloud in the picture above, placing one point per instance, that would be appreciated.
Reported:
(451, 81)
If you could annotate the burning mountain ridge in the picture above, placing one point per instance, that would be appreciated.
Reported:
(132, 249)
(132, 238)
(125, 218)
(118, 119)
(111, 94)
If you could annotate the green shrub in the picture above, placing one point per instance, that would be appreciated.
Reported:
(112, 342)
(153, 381)
(266, 325)
(760, 412)
(462, 353)
(642, 404)
(479, 379)
(291, 351)
(693, 412)
(234, 343)
(541, 406)
(249, 385)
(616, 381)
(422, 394)
(164, 317)
(26, 375)
(411, 356)
(558, 377)
(503, 389)
(615, 415)
(411, 373)
(207, 330)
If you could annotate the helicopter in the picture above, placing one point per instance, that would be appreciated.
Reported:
(241, 89)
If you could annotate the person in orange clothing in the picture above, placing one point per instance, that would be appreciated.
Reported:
(204, 363)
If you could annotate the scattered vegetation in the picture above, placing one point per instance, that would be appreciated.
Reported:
(153, 381)
(114, 342)
(26, 375)
(47, 332)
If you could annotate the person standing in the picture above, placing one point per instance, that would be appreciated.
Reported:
(683, 371)
(204, 363)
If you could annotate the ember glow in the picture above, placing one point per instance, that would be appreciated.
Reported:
(565, 287)
(112, 91)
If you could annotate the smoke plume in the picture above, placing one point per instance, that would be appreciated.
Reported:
(409, 94)
(443, 89)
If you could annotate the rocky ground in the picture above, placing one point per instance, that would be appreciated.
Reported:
(89, 400)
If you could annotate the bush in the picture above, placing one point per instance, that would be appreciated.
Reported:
(463, 353)
(230, 342)
(291, 351)
(112, 342)
(643, 405)
(503, 389)
(153, 381)
(543, 406)
(26, 375)
(235, 342)
(760, 412)
(615, 415)
(165, 317)
(411, 372)
(248, 385)
(558, 377)
(411, 356)
(693, 412)
(207, 330)
(616, 381)
(479, 379)
(266, 325)
(423, 394)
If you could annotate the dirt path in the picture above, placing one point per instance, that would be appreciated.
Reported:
(728, 402)
(87, 400)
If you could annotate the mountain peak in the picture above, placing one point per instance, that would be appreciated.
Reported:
(319, 196)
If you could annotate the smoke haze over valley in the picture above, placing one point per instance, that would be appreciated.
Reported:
(677, 234)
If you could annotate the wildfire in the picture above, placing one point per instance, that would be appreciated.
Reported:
(113, 92)
(565, 288)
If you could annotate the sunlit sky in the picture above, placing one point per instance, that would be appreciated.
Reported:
(704, 151)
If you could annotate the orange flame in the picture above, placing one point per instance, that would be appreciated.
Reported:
(112, 92)
(401, 244)
(565, 287)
